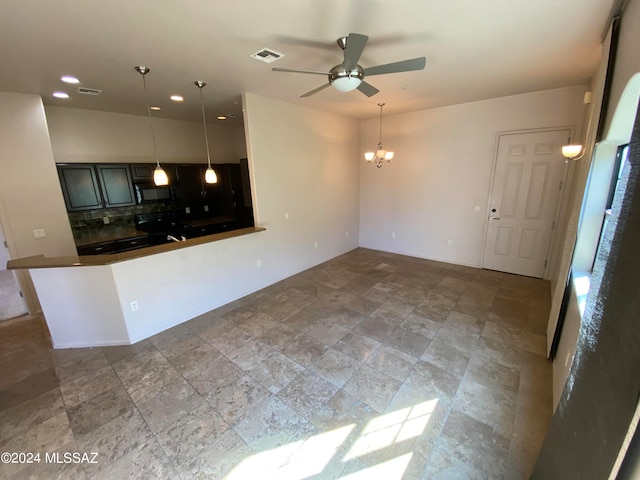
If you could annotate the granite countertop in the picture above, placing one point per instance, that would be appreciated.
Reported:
(90, 236)
(40, 261)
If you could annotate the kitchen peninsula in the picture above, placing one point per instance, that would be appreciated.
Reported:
(123, 298)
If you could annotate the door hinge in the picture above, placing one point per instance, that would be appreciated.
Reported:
(561, 183)
(553, 226)
(5, 244)
(21, 295)
(545, 263)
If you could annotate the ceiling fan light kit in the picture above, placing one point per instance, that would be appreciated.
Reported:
(349, 76)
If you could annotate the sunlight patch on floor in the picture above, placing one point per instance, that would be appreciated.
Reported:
(390, 470)
(293, 461)
(394, 427)
(306, 458)
(581, 285)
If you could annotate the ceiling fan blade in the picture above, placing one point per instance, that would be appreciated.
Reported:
(354, 48)
(315, 90)
(403, 66)
(276, 69)
(368, 89)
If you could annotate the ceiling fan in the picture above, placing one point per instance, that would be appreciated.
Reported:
(348, 75)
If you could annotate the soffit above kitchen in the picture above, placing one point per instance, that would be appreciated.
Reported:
(474, 51)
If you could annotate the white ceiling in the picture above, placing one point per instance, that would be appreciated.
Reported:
(475, 50)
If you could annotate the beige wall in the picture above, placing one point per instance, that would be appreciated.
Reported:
(442, 170)
(99, 137)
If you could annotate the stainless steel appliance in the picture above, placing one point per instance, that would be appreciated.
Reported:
(148, 192)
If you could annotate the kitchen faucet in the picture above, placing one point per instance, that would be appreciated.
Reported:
(174, 239)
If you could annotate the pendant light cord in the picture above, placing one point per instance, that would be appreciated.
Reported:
(201, 85)
(143, 71)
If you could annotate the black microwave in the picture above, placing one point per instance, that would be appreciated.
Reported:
(148, 192)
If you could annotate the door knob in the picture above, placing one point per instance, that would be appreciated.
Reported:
(494, 218)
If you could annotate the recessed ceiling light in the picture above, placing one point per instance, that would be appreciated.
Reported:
(61, 94)
(222, 117)
(69, 79)
(176, 98)
(155, 108)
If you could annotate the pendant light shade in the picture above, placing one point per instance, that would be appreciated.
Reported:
(210, 175)
(159, 175)
(380, 156)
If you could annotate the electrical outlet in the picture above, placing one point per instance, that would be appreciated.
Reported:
(134, 306)
(105, 220)
(39, 233)
(393, 234)
(286, 215)
(346, 234)
(449, 243)
(187, 210)
(206, 208)
(477, 208)
(259, 264)
(315, 245)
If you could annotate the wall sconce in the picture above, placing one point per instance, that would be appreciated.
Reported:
(381, 155)
(572, 152)
(575, 152)
(210, 175)
(159, 175)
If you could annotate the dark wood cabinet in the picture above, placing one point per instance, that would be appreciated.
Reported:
(192, 189)
(132, 243)
(142, 172)
(90, 187)
(79, 187)
(97, 248)
(116, 185)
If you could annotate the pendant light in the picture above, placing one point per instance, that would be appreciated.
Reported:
(159, 175)
(210, 175)
(381, 155)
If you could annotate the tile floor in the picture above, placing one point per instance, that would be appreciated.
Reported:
(369, 366)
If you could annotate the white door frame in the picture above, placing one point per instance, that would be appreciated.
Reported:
(560, 207)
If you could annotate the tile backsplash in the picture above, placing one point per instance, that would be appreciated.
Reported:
(118, 217)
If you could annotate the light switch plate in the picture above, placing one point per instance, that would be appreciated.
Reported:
(39, 233)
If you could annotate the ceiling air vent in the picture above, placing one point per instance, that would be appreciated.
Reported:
(88, 91)
(267, 55)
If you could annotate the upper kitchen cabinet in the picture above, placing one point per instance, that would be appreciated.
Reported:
(143, 172)
(79, 187)
(88, 187)
(191, 186)
(117, 188)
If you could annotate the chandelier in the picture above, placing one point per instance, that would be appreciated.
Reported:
(380, 156)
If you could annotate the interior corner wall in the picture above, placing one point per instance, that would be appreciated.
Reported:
(442, 170)
(29, 187)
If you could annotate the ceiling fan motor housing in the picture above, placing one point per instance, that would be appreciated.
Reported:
(345, 79)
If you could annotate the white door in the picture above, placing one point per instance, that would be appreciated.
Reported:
(526, 188)
(11, 302)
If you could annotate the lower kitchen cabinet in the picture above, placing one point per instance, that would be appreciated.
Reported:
(132, 243)
(97, 248)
